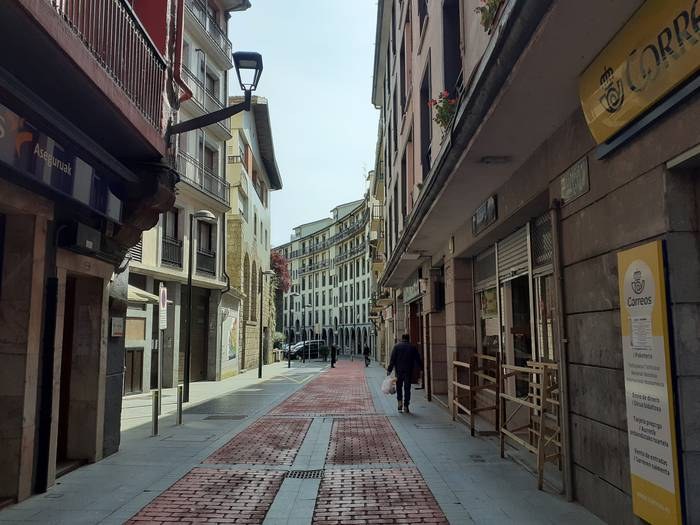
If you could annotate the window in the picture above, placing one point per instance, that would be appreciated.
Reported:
(452, 53)
(426, 120)
(205, 239)
(404, 182)
(170, 224)
(243, 205)
(255, 223)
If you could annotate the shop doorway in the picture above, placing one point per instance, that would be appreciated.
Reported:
(80, 368)
(200, 339)
(133, 371)
(516, 337)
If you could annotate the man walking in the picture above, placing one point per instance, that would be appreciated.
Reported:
(366, 353)
(334, 355)
(405, 359)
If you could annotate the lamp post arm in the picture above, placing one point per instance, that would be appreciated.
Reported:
(209, 118)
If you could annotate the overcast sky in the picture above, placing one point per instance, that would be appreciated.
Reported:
(318, 57)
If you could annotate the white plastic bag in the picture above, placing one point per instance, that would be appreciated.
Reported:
(389, 385)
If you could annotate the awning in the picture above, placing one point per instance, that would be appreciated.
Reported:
(137, 295)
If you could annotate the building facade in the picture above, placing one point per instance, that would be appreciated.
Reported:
(565, 139)
(329, 265)
(78, 187)
(163, 255)
(252, 172)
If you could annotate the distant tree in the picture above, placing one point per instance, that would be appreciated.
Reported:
(278, 263)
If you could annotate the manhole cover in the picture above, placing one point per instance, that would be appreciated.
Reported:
(226, 417)
(305, 474)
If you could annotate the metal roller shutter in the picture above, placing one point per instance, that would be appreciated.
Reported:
(512, 255)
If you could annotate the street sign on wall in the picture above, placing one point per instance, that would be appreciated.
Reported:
(163, 308)
(648, 385)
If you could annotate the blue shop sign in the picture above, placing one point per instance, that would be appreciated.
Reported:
(37, 156)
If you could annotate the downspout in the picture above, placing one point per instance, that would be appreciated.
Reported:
(562, 342)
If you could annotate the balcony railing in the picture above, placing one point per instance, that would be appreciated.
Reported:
(216, 34)
(171, 252)
(204, 98)
(116, 38)
(194, 173)
(206, 262)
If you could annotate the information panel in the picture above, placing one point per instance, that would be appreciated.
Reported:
(648, 385)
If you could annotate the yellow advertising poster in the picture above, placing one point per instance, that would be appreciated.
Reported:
(648, 385)
(653, 53)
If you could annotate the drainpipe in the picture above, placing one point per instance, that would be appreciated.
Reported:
(562, 341)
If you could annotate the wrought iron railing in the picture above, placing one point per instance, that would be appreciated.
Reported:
(171, 252)
(196, 174)
(206, 261)
(114, 35)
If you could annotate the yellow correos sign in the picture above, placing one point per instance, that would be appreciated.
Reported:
(646, 355)
(654, 52)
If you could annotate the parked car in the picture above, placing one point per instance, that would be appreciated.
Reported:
(308, 349)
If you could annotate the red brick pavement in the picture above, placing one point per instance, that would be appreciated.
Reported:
(269, 441)
(369, 439)
(340, 390)
(380, 496)
(214, 496)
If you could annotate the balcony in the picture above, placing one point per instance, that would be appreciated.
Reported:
(206, 262)
(205, 100)
(110, 30)
(214, 34)
(171, 252)
(197, 175)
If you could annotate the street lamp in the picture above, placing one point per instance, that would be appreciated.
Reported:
(249, 67)
(260, 320)
(289, 333)
(210, 218)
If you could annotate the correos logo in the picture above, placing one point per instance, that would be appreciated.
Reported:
(639, 288)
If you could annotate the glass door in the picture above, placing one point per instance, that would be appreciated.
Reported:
(545, 301)
(515, 330)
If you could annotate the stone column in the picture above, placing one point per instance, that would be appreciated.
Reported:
(459, 312)
(21, 301)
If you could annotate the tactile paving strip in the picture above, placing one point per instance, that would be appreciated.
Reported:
(268, 441)
(398, 495)
(213, 495)
(365, 440)
(340, 390)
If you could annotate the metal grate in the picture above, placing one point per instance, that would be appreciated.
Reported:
(542, 246)
(226, 417)
(305, 474)
(485, 267)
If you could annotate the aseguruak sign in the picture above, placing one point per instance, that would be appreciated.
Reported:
(658, 49)
(37, 156)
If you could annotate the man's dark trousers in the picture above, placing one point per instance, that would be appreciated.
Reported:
(403, 387)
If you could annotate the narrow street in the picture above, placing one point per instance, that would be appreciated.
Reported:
(308, 445)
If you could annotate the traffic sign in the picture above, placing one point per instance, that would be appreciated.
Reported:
(163, 308)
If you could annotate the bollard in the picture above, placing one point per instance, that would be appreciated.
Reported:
(155, 413)
(178, 420)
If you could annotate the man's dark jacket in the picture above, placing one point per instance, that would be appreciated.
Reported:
(404, 357)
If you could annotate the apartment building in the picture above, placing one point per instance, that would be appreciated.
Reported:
(84, 169)
(329, 265)
(164, 253)
(252, 172)
(525, 212)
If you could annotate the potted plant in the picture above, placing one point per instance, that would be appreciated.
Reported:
(488, 11)
(445, 107)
